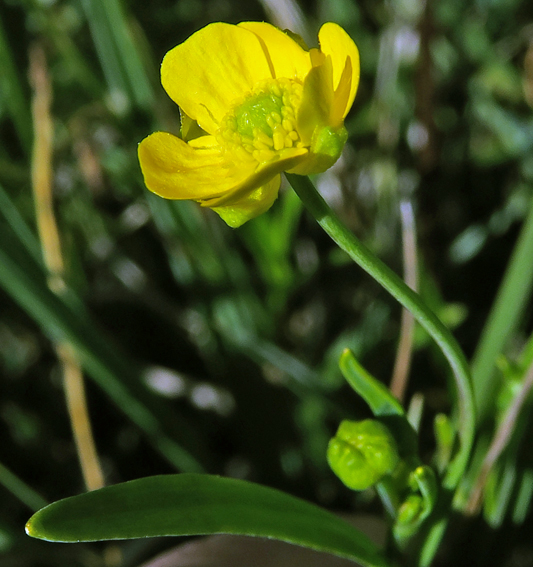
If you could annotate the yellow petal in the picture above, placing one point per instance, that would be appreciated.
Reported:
(286, 57)
(317, 101)
(215, 67)
(174, 169)
(251, 205)
(336, 43)
(341, 97)
(287, 159)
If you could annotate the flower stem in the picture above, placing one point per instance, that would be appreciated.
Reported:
(327, 219)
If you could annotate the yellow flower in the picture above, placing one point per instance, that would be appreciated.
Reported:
(254, 103)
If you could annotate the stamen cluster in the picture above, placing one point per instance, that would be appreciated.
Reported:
(264, 123)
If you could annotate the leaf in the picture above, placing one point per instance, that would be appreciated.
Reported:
(194, 504)
(375, 394)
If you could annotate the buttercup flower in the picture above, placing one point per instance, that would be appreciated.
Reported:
(254, 102)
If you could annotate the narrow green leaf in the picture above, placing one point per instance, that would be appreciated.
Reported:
(12, 94)
(19, 226)
(193, 504)
(375, 394)
(127, 51)
(20, 489)
(523, 497)
(117, 52)
(105, 47)
(508, 310)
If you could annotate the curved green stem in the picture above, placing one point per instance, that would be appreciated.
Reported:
(327, 219)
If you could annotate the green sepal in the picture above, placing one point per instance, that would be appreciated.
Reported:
(326, 146)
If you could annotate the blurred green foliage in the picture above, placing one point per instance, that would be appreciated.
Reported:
(213, 349)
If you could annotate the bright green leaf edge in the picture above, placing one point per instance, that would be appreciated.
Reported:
(195, 504)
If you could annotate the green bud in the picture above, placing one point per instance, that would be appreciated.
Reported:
(417, 506)
(410, 510)
(362, 452)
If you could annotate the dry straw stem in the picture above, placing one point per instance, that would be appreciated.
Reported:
(51, 247)
(500, 441)
(402, 364)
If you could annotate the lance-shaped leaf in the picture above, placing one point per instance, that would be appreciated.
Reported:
(375, 394)
(194, 504)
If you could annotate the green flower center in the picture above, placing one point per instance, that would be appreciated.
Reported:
(264, 123)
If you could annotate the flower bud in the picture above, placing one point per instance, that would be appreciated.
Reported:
(362, 452)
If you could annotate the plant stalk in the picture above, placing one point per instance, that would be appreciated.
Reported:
(409, 299)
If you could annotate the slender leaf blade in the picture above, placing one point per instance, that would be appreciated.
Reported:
(195, 504)
(375, 394)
